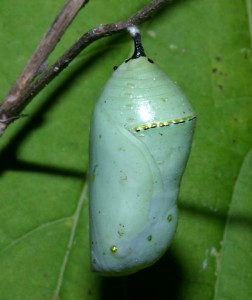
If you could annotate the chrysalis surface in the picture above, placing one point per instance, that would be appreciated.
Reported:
(140, 139)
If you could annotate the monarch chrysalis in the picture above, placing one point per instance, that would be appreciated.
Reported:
(141, 134)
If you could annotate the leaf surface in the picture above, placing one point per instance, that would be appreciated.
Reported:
(203, 45)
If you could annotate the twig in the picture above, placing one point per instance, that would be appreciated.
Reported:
(12, 106)
(46, 45)
(37, 60)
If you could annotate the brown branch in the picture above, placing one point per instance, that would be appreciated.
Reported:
(46, 46)
(11, 107)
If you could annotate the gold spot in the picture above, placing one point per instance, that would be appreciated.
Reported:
(131, 85)
(113, 249)
(123, 176)
(169, 218)
(93, 177)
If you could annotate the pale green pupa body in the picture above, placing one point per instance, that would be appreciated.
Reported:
(141, 135)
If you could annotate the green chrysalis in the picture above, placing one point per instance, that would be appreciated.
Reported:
(141, 135)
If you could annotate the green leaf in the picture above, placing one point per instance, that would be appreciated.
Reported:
(234, 265)
(203, 45)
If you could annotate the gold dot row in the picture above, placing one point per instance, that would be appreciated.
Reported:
(162, 124)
